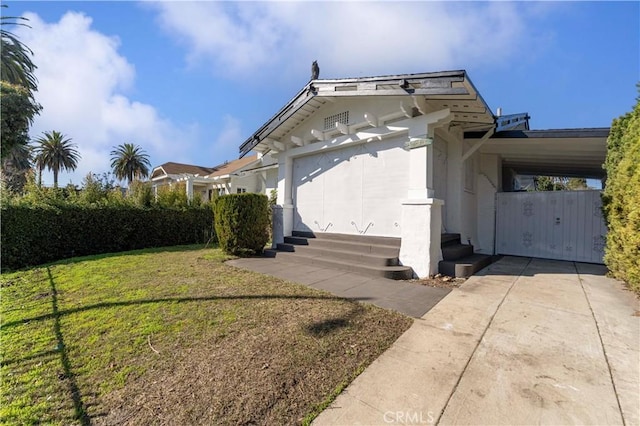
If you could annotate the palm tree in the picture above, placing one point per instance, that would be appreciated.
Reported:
(39, 166)
(56, 153)
(129, 161)
(15, 167)
(18, 86)
(16, 66)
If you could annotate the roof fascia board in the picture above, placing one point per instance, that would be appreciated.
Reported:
(477, 93)
(395, 92)
(315, 87)
(259, 169)
(395, 77)
(166, 176)
(158, 169)
(590, 132)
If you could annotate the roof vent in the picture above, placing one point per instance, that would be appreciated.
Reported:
(330, 122)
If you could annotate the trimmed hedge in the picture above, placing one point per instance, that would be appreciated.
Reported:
(621, 199)
(242, 223)
(32, 235)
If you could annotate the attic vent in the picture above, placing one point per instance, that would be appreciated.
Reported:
(330, 122)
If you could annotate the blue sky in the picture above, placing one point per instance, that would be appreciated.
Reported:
(190, 81)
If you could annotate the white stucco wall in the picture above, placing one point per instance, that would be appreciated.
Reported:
(487, 185)
(358, 189)
(421, 229)
(271, 180)
(469, 226)
(249, 182)
(454, 190)
(440, 178)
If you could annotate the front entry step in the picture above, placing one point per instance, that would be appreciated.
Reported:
(367, 255)
(459, 260)
(464, 267)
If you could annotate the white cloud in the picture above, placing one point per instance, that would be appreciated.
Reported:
(228, 137)
(347, 38)
(82, 84)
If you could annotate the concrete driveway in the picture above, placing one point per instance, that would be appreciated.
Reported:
(527, 341)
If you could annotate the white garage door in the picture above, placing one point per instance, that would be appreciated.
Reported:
(563, 225)
(355, 190)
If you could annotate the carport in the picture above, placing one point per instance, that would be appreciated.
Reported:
(565, 225)
(557, 152)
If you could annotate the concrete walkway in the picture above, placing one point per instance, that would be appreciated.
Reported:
(527, 341)
(411, 299)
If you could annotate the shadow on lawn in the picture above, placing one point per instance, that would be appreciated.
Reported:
(319, 329)
(76, 396)
(58, 314)
(330, 325)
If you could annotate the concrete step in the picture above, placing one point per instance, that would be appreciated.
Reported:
(354, 238)
(391, 272)
(465, 267)
(363, 254)
(456, 251)
(269, 253)
(446, 239)
(338, 245)
(352, 256)
(379, 246)
(285, 247)
(301, 241)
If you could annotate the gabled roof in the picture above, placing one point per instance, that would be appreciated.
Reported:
(438, 90)
(224, 169)
(233, 166)
(172, 168)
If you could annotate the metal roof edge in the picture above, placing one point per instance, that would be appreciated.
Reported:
(584, 132)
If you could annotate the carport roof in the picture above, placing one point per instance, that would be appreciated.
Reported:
(555, 152)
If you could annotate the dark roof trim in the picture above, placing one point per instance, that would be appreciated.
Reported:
(427, 84)
(285, 112)
(594, 132)
(512, 122)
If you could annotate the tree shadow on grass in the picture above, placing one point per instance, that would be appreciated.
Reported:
(79, 409)
(331, 325)
(319, 329)
(103, 305)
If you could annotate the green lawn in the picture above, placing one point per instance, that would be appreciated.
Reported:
(175, 336)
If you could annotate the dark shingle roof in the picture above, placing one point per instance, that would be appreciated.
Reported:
(172, 168)
(232, 166)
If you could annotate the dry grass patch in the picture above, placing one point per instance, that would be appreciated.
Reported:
(177, 337)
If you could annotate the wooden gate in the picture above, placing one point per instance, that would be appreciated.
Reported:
(563, 225)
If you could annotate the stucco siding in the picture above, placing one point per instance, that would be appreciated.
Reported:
(488, 184)
(354, 190)
(250, 183)
(440, 179)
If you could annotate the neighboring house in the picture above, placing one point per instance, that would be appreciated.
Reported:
(413, 156)
(253, 173)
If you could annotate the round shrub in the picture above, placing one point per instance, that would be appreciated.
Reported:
(242, 223)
